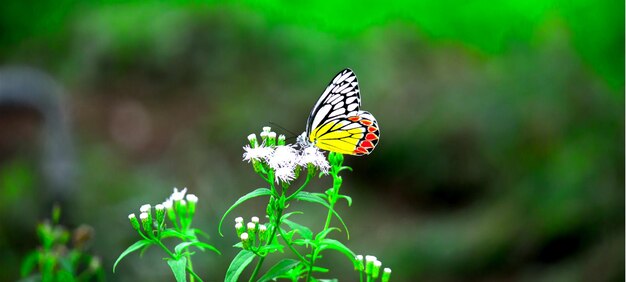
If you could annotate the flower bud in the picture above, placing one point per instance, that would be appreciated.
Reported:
(369, 264)
(181, 208)
(145, 208)
(133, 221)
(253, 141)
(239, 228)
(267, 129)
(359, 263)
(386, 274)
(146, 222)
(264, 137)
(245, 240)
(335, 159)
(169, 207)
(239, 220)
(271, 138)
(95, 264)
(251, 228)
(376, 269)
(262, 232)
(160, 213)
(255, 220)
(191, 200)
(281, 140)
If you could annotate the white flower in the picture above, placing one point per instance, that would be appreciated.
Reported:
(143, 216)
(255, 219)
(283, 161)
(191, 198)
(257, 153)
(283, 156)
(145, 208)
(168, 204)
(159, 207)
(244, 236)
(239, 219)
(131, 216)
(371, 259)
(285, 174)
(387, 270)
(312, 155)
(178, 195)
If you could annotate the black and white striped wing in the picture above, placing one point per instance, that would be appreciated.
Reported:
(340, 100)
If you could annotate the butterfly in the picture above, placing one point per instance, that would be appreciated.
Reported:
(336, 122)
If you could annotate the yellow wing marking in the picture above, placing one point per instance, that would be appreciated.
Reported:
(330, 137)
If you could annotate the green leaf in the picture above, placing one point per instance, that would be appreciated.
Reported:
(324, 233)
(29, 263)
(304, 242)
(201, 233)
(348, 199)
(308, 197)
(138, 245)
(239, 263)
(256, 193)
(271, 248)
(345, 168)
(336, 245)
(279, 269)
(179, 268)
(180, 247)
(200, 245)
(304, 231)
(320, 269)
(287, 215)
(64, 275)
(170, 232)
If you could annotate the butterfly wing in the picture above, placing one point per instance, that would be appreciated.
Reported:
(340, 99)
(356, 134)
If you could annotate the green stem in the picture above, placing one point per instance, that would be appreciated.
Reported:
(332, 198)
(256, 269)
(289, 244)
(279, 214)
(190, 267)
(310, 272)
(306, 182)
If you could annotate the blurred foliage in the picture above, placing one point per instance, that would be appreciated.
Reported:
(502, 123)
(58, 260)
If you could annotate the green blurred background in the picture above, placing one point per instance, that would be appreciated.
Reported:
(502, 147)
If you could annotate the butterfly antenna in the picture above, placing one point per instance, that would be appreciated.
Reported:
(285, 129)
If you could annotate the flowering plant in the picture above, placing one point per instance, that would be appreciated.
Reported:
(62, 255)
(153, 229)
(279, 165)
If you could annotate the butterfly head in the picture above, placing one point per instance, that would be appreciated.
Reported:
(303, 141)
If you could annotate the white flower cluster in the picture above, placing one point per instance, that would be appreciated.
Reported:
(249, 233)
(283, 159)
(371, 267)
